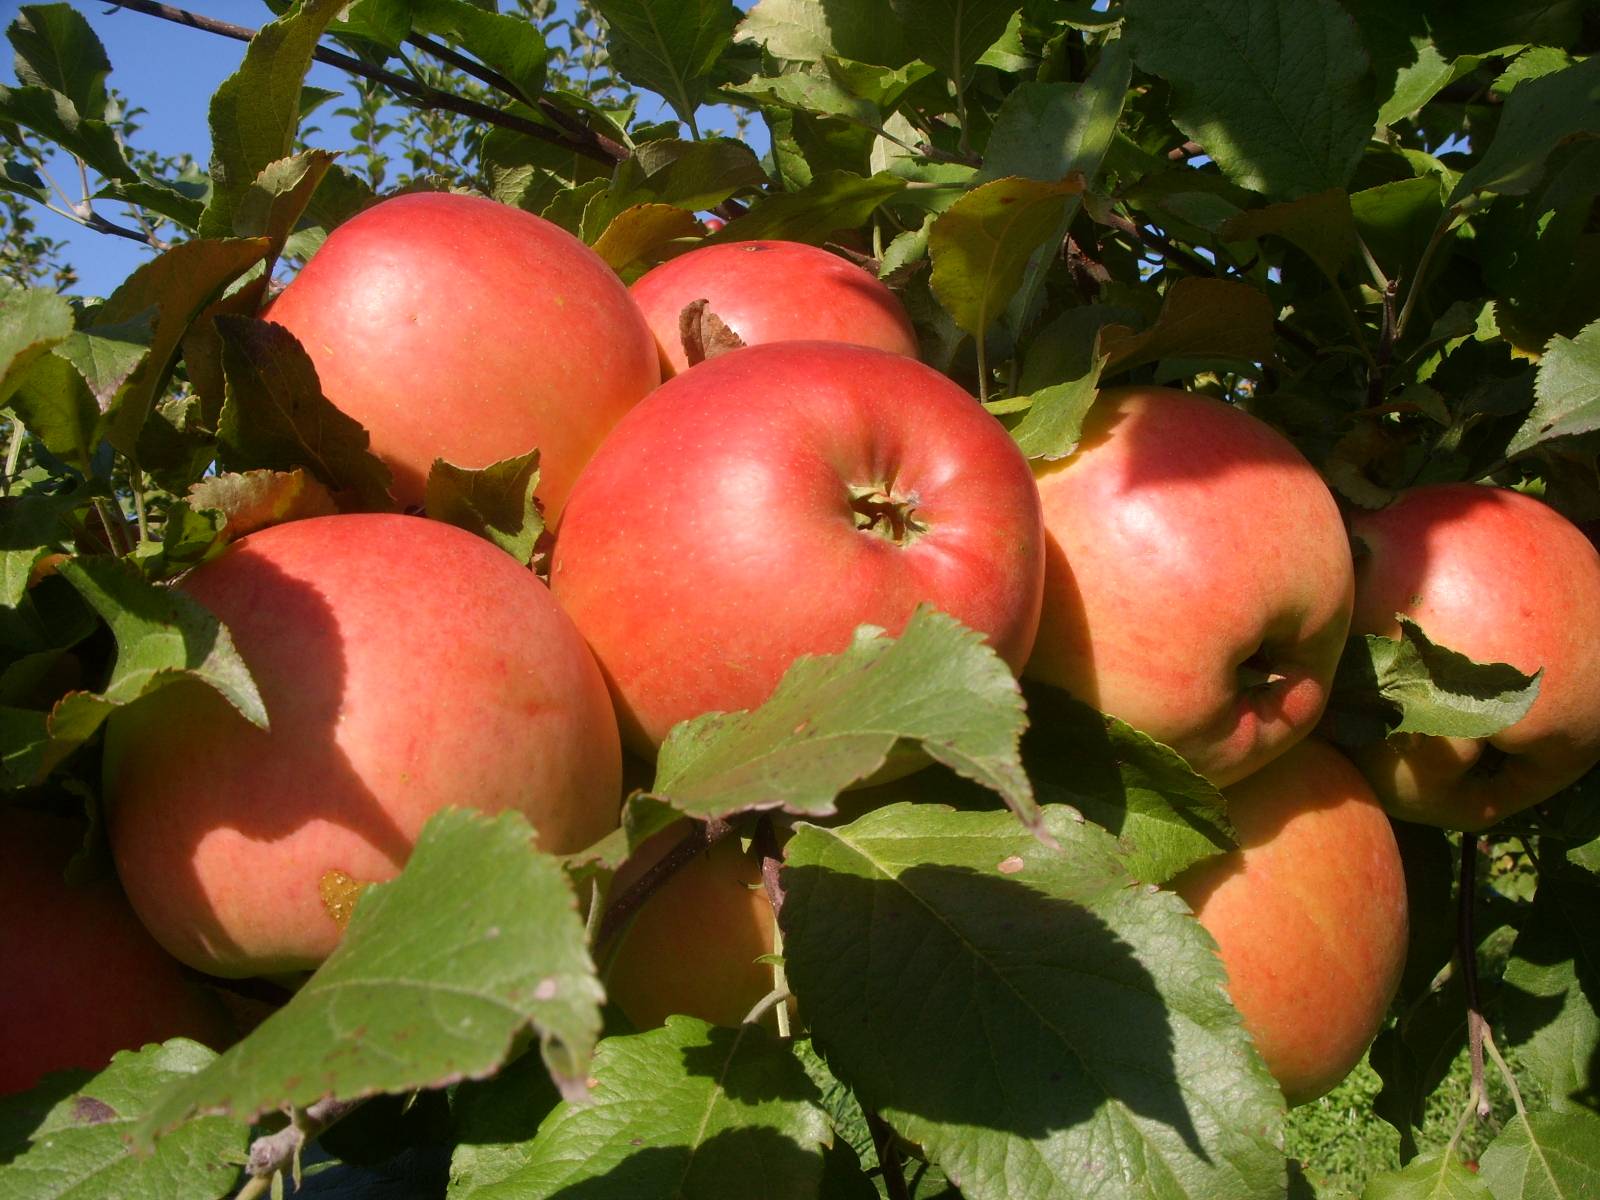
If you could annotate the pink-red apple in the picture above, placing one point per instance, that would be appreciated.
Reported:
(82, 977)
(772, 292)
(454, 327)
(1198, 579)
(1309, 915)
(765, 504)
(406, 665)
(1499, 577)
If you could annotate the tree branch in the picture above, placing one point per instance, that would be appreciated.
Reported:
(274, 1153)
(573, 136)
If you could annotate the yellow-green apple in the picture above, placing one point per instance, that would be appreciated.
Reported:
(1500, 577)
(406, 665)
(771, 292)
(693, 946)
(1198, 579)
(1309, 915)
(768, 502)
(454, 327)
(82, 977)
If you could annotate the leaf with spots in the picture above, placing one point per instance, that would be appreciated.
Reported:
(440, 976)
(1098, 1054)
(77, 1148)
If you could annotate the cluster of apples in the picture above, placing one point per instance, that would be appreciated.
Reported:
(797, 475)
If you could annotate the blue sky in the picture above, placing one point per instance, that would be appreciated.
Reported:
(170, 71)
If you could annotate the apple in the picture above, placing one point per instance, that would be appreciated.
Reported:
(1309, 915)
(454, 327)
(765, 504)
(405, 665)
(772, 292)
(692, 948)
(1198, 581)
(82, 977)
(1500, 577)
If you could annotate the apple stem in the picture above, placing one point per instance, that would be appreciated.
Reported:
(1466, 950)
(890, 1160)
(700, 838)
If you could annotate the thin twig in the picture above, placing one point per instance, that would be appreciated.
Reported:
(1466, 950)
(1445, 225)
(580, 140)
(114, 524)
(274, 1153)
(694, 843)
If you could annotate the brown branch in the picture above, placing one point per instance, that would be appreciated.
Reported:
(1185, 152)
(694, 843)
(273, 1153)
(578, 138)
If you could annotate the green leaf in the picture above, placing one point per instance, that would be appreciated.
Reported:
(1293, 109)
(440, 973)
(1551, 989)
(1061, 379)
(640, 237)
(832, 201)
(495, 502)
(833, 720)
(691, 1111)
(1539, 115)
(1103, 1057)
(52, 116)
(1418, 82)
(981, 244)
(32, 527)
(254, 500)
(511, 45)
(183, 205)
(953, 34)
(668, 46)
(1320, 225)
(1566, 390)
(32, 322)
(276, 416)
(1544, 1156)
(56, 406)
(57, 49)
(1436, 1175)
(80, 1150)
(106, 355)
(1200, 318)
(1413, 685)
(161, 635)
(809, 30)
(256, 112)
(178, 284)
(20, 179)
(274, 202)
(1165, 816)
(687, 175)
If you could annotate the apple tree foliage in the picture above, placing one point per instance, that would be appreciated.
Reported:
(1373, 224)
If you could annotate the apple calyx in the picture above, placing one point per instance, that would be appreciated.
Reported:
(878, 510)
(1256, 672)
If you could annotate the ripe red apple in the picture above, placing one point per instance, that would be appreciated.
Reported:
(82, 977)
(1198, 579)
(406, 665)
(1499, 577)
(765, 504)
(772, 292)
(692, 948)
(454, 327)
(1309, 915)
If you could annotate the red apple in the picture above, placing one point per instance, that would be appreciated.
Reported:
(1309, 915)
(693, 947)
(1499, 577)
(1198, 579)
(454, 327)
(406, 665)
(773, 292)
(82, 977)
(765, 504)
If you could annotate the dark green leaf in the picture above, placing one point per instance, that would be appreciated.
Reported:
(20, 179)
(80, 1150)
(106, 355)
(691, 1111)
(56, 406)
(276, 416)
(832, 201)
(32, 322)
(1539, 116)
(510, 45)
(256, 112)
(1292, 109)
(1321, 225)
(57, 49)
(184, 205)
(669, 46)
(52, 116)
(1061, 379)
(1200, 318)
(274, 202)
(495, 502)
(1102, 1056)
(833, 720)
(1566, 390)
(439, 974)
(953, 34)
